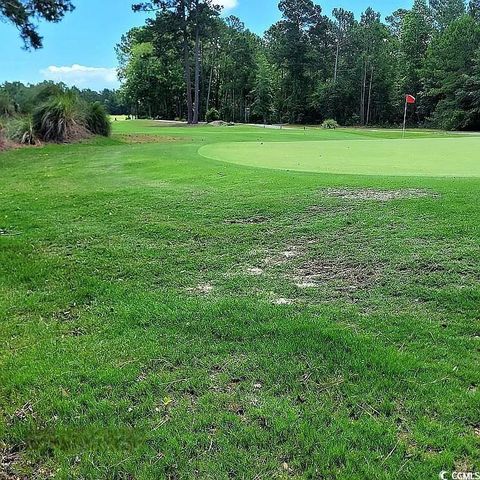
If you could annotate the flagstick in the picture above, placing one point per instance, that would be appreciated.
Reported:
(405, 117)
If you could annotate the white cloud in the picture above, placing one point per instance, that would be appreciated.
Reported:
(81, 76)
(226, 4)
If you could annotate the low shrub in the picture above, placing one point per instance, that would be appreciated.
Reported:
(97, 120)
(7, 107)
(330, 124)
(20, 130)
(59, 119)
(212, 115)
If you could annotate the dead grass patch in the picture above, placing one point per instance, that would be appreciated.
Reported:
(255, 271)
(201, 289)
(344, 274)
(7, 233)
(329, 210)
(23, 413)
(377, 195)
(7, 144)
(283, 301)
(70, 314)
(291, 252)
(146, 138)
(10, 457)
(246, 221)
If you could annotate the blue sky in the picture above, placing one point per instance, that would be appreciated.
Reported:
(80, 49)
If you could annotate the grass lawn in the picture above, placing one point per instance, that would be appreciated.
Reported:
(167, 315)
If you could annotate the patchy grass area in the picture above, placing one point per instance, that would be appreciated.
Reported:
(164, 315)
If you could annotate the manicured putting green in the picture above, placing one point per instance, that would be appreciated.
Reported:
(414, 157)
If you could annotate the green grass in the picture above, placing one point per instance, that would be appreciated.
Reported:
(411, 157)
(153, 327)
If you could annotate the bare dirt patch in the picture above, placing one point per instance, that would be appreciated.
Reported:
(377, 195)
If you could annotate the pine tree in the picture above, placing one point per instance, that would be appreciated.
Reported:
(22, 14)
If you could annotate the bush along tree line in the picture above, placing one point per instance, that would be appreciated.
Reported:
(50, 112)
(308, 67)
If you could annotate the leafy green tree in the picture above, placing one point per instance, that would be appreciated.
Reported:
(449, 58)
(395, 21)
(24, 13)
(474, 9)
(263, 90)
(344, 22)
(445, 12)
(416, 32)
(236, 67)
(191, 19)
(469, 96)
(291, 49)
(374, 39)
(142, 79)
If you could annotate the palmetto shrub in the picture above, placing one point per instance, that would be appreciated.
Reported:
(330, 124)
(20, 130)
(60, 119)
(97, 120)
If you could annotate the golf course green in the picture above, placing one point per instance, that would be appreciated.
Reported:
(410, 157)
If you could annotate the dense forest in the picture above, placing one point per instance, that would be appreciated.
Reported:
(188, 61)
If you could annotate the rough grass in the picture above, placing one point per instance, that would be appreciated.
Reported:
(153, 325)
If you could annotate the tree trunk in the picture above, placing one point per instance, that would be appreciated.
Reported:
(196, 109)
(188, 78)
(364, 94)
(209, 88)
(186, 61)
(336, 61)
(369, 96)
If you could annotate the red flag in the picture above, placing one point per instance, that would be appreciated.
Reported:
(410, 99)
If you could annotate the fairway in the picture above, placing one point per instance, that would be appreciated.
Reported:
(167, 316)
(452, 157)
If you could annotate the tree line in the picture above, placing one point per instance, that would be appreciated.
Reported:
(17, 98)
(187, 60)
